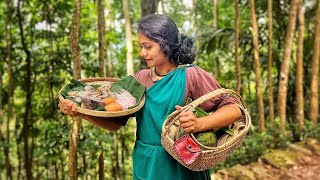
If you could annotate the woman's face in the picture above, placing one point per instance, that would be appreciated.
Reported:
(151, 52)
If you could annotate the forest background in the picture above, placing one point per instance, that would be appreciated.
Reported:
(268, 51)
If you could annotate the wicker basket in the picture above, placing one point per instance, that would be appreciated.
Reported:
(98, 80)
(210, 156)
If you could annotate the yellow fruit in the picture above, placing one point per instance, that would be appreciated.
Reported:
(109, 100)
(113, 107)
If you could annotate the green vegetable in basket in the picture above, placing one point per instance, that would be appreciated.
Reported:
(207, 138)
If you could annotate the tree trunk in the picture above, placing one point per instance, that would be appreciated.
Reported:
(85, 166)
(76, 123)
(16, 133)
(299, 71)
(130, 67)
(10, 90)
(161, 7)
(75, 32)
(216, 67)
(147, 7)
(101, 166)
(314, 88)
(257, 65)
(195, 24)
(215, 14)
(56, 170)
(101, 34)
(270, 62)
(284, 73)
(27, 113)
(236, 45)
(123, 156)
(115, 163)
(109, 65)
(1, 84)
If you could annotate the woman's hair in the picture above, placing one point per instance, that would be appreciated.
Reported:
(162, 29)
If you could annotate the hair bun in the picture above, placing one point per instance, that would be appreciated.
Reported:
(184, 52)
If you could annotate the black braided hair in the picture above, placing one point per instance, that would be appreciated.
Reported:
(163, 30)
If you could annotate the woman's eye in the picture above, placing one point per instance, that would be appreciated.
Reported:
(148, 47)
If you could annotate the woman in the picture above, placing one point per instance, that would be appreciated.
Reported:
(170, 80)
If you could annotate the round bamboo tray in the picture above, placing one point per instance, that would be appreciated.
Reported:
(95, 113)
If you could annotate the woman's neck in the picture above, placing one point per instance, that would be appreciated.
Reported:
(164, 70)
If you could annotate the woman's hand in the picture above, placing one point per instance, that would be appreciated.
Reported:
(68, 107)
(189, 122)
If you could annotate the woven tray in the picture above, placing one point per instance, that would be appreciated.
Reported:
(95, 113)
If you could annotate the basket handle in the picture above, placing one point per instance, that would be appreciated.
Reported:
(194, 104)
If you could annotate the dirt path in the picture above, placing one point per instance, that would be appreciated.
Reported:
(301, 161)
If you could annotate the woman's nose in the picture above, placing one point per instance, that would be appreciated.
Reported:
(143, 53)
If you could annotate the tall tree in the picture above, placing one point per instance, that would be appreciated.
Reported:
(236, 44)
(10, 89)
(255, 34)
(195, 22)
(216, 67)
(101, 34)
(101, 166)
(115, 159)
(130, 67)
(215, 14)
(299, 71)
(284, 72)
(76, 123)
(160, 7)
(28, 163)
(110, 19)
(270, 61)
(147, 7)
(314, 89)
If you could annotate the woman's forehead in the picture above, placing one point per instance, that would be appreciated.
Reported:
(143, 38)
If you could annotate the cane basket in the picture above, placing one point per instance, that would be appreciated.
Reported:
(210, 156)
(97, 81)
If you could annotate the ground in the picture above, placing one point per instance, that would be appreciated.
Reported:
(300, 161)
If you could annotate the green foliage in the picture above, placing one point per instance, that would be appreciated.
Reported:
(309, 131)
(46, 26)
(256, 144)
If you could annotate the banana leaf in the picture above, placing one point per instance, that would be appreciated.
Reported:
(74, 85)
(128, 83)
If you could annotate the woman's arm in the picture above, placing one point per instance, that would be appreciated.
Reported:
(112, 123)
(222, 117)
(226, 112)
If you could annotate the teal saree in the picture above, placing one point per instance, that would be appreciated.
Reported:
(150, 159)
